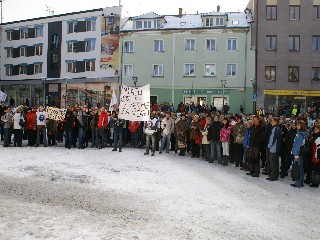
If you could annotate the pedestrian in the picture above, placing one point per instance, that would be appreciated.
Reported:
(41, 126)
(18, 124)
(7, 120)
(134, 128)
(214, 138)
(151, 127)
(31, 127)
(68, 125)
(181, 129)
(167, 126)
(83, 125)
(225, 133)
(118, 125)
(238, 133)
(205, 141)
(102, 125)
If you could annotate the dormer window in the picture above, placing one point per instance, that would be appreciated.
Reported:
(209, 22)
(219, 21)
(214, 21)
(138, 24)
(148, 24)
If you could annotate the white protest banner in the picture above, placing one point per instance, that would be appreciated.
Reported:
(135, 103)
(56, 113)
(3, 96)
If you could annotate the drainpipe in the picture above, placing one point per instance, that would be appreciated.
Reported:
(245, 72)
(173, 66)
(255, 88)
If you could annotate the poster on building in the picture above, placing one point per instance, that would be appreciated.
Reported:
(135, 103)
(56, 114)
(3, 96)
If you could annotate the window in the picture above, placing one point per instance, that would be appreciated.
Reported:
(8, 70)
(190, 45)
(146, 24)
(54, 57)
(231, 70)
(138, 24)
(316, 43)
(316, 12)
(22, 69)
(209, 22)
(189, 69)
(271, 42)
(232, 44)
(294, 43)
(54, 41)
(37, 68)
(9, 36)
(9, 52)
(91, 25)
(211, 45)
(23, 51)
(128, 70)
(271, 12)
(158, 46)
(39, 31)
(316, 74)
(71, 67)
(158, 70)
(235, 22)
(90, 45)
(293, 74)
(72, 47)
(210, 70)
(71, 26)
(270, 74)
(157, 23)
(90, 66)
(23, 33)
(128, 46)
(38, 50)
(219, 21)
(294, 12)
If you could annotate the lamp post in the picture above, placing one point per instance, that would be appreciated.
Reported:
(66, 96)
(254, 97)
(135, 80)
(43, 80)
(223, 84)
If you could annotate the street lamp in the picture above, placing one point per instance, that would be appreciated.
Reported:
(223, 84)
(43, 80)
(254, 97)
(135, 80)
(66, 96)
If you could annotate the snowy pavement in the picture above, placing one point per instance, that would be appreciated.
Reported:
(56, 193)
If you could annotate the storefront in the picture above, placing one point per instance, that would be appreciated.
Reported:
(281, 102)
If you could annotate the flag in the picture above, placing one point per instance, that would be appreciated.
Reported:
(114, 101)
(241, 90)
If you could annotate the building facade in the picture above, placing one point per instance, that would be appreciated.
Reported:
(286, 35)
(197, 58)
(62, 59)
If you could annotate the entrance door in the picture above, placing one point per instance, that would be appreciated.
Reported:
(153, 99)
(202, 100)
(218, 102)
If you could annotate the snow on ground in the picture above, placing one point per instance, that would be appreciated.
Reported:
(56, 193)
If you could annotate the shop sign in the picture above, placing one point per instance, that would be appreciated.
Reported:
(205, 91)
(292, 93)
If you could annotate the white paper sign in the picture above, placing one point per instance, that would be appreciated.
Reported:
(135, 103)
(56, 113)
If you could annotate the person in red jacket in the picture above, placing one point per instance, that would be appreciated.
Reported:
(31, 126)
(102, 126)
(133, 128)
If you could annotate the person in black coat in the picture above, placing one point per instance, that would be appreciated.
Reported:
(68, 124)
(117, 124)
(214, 138)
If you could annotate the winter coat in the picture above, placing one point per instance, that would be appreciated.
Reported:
(246, 139)
(195, 132)
(94, 121)
(31, 121)
(298, 142)
(7, 119)
(256, 136)
(289, 140)
(167, 126)
(134, 126)
(205, 134)
(315, 152)
(239, 128)
(82, 119)
(16, 120)
(117, 124)
(225, 133)
(274, 141)
(214, 131)
(51, 127)
(69, 122)
(103, 120)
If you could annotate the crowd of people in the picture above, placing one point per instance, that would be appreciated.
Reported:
(256, 144)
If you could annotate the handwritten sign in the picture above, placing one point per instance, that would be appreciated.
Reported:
(56, 113)
(135, 103)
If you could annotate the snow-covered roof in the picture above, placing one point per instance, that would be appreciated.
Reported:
(150, 15)
(189, 21)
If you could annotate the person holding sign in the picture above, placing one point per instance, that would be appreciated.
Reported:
(41, 126)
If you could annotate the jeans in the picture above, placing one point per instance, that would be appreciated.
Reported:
(7, 135)
(273, 160)
(300, 182)
(245, 157)
(42, 129)
(68, 140)
(134, 139)
(95, 137)
(165, 142)
(17, 137)
(117, 137)
(81, 136)
(215, 150)
(153, 139)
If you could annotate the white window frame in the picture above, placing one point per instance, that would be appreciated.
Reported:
(37, 68)
(205, 70)
(38, 32)
(140, 22)
(157, 70)
(128, 48)
(72, 46)
(188, 73)
(8, 70)
(232, 76)
(23, 33)
(9, 35)
(38, 50)
(23, 69)
(160, 46)
(215, 44)
(210, 21)
(23, 51)
(71, 29)
(147, 24)
(128, 70)
(90, 45)
(92, 66)
(232, 39)
(218, 21)
(157, 23)
(9, 52)
(188, 46)
(73, 67)
(91, 25)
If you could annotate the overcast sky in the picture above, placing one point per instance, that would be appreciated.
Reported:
(25, 9)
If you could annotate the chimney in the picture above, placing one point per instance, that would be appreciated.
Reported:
(218, 8)
(180, 12)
